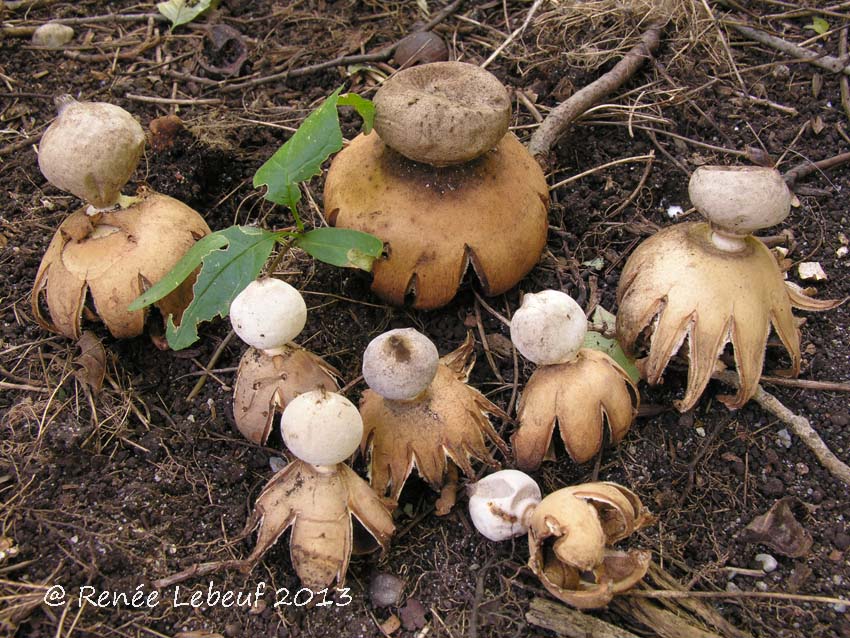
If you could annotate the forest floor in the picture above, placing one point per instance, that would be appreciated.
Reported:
(115, 489)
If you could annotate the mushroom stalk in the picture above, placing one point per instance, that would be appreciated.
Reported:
(727, 241)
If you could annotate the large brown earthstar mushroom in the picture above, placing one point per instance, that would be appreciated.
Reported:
(487, 208)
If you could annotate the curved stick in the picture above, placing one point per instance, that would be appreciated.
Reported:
(563, 115)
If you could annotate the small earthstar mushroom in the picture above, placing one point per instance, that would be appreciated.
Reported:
(714, 283)
(421, 413)
(107, 253)
(579, 389)
(318, 494)
(439, 180)
(267, 315)
(570, 533)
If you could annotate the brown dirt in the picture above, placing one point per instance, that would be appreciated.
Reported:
(115, 490)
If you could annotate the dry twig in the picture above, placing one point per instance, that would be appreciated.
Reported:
(798, 424)
(827, 62)
(565, 113)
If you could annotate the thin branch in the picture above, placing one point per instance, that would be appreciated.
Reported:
(378, 56)
(213, 360)
(798, 424)
(154, 99)
(775, 595)
(623, 160)
(827, 62)
(807, 168)
(559, 118)
(807, 384)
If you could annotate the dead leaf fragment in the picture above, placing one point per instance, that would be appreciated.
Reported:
(91, 362)
(811, 271)
(390, 625)
(779, 530)
(413, 615)
(164, 130)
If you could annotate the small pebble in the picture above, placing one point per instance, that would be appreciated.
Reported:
(700, 431)
(841, 419)
(767, 562)
(385, 590)
(674, 211)
(842, 541)
(838, 579)
(802, 469)
(761, 585)
(783, 438)
(52, 35)
(277, 464)
(773, 487)
(730, 586)
(840, 607)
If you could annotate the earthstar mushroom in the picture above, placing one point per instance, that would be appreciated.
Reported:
(579, 389)
(439, 180)
(570, 533)
(570, 537)
(318, 494)
(107, 253)
(436, 429)
(714, 283)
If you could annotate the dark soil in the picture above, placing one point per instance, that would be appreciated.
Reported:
(117, 489)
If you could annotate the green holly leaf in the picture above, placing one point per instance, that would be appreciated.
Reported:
(224, 274)
(181, 270)
(606, 322)
(181, 12)
(342, 247)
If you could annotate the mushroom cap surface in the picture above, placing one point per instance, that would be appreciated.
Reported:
(400, 364)
(91, 150)
(490, 212)
(741, 199)
(113, 258)
(442, 113)
(321, 427)
(268, 313)
(549, 327)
